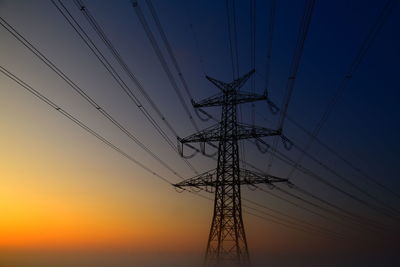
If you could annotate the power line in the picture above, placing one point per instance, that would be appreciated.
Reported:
(334, 152)
(292, 219)
(277, 221)
(232, 36)
(339, 156)
(196, 41)
(347, 181)
(82, 93)
(169, 48)
(176, 65)
(231, 49)
(346, 79)
(79, 123)
(99, 31)
(268, 69)
(295, 204)
(107, 142)
(234, 49)
(171, 52)
(162, 61)
(307, 209)
(339, 211)
(304, 27)
(279, 155)
(294, 225)
(253, 54)
(309, 173)
(270, 35)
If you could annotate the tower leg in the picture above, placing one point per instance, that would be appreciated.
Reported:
(227, 245)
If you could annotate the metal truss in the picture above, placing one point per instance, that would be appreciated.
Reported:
(227, 244)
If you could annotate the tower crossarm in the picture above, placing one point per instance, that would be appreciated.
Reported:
(219, 100)
(205, 181)
(208, 181)
(252, 178)
(244, 131)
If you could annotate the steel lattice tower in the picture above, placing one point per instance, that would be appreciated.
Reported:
(227, 243)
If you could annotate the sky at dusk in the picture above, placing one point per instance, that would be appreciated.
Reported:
(67, 198)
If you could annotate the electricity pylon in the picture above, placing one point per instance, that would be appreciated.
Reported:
(227, 243)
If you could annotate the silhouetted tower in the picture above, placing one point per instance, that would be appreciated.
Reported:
(227, 243)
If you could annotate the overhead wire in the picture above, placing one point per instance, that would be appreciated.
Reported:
(152, 10)
(253, 54)
(162, 61)
(59, 109)
(81, 92)
(109, 144)
(388, 208)
(197, 45)
(373, 32)
(282, 157)
(343, 159)
(168, 47)
(234, 54)
(270, 26)
(338, 155)
(79, 123)
(171, 53)
(297, 55)
(289, 161)
(337, 210)
(309, 173)
(304, 28)
(231, 48)
(292, 219)
(319, 207)
(100, 32)
(339, 215)
(270, 218)
(268, 69)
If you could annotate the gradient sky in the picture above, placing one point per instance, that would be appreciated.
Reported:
(67, 197)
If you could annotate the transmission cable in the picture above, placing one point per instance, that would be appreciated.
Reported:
(298, 52)
(279, 155)
(268, 69)
(292, 219)
(234, 54)
(346, 79)
(271, 23)
(162, 61)
(101, 138)
(79, 123)
(99, 31)
(253, 55)
(171, 53)
(337, 154)
(81, 92)
(287, 160)
(271, 218)
(308, 209)
(305, 25)
(346, 180)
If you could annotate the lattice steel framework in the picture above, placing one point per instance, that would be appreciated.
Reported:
(227, 243)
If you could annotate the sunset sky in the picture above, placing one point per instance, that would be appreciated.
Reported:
(68, 198)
